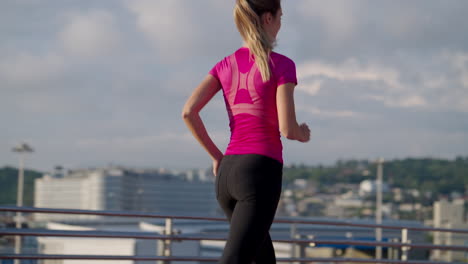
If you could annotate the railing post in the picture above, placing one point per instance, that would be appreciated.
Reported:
(392, 251)
(378, 207)
(350, 250)
(293, 232)
(167, 243)
(297, 250)
(404, 240)
(18, 238)
(19, 203)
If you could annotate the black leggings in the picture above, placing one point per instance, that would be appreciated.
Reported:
(248, 189)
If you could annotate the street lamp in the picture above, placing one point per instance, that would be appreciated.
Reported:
(378, 207)
(23, 148)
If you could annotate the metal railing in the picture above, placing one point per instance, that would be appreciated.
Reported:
(405, 245)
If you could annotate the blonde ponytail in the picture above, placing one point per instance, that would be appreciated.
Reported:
(249, 24)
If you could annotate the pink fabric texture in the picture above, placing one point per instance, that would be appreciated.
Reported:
(251, 103)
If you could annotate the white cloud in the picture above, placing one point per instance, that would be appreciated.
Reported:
(465, 79)
(438, 83)
(350, 70)
(169, 25)
(339, 17)
(90, 34)
(131, 144)
(401, 101)
(174, 149)
(311, 87)
(180, 29)
(29, 69)
(411, 101)
(324, 113)
(87, 35)
(370, 142)
(434, 80)
(453, 93)
(460, 63)
(41, 103)
(405, 21)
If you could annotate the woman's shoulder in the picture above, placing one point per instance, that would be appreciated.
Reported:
(281, 63)
(278, 57)
(223, 62)
(283, 68)
(228, 57)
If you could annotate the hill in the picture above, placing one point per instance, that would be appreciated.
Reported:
(437, 176)
(9, 185)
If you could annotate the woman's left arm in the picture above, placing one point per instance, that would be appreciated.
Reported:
(190, 113)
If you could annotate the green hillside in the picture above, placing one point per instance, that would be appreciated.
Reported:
(9, 185)
(437, 176)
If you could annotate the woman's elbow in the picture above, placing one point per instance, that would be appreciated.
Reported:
(185, 114)
(188, 113)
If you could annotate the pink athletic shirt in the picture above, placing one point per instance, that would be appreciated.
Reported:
(251, 103)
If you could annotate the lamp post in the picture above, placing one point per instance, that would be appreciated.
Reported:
(378, 207)
(23, 148)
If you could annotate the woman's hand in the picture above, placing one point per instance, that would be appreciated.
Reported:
(216, 163)
(305, 132)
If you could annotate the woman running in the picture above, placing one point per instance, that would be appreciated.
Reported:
(258, 86)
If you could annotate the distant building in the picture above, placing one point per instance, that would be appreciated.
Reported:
(204, 175)
(450, 215)
(349, 199)
(368, 187)
(123, 189)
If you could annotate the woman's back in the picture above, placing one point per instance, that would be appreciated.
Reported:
(251, 103)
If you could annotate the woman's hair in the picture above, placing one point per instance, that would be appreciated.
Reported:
(247, 15)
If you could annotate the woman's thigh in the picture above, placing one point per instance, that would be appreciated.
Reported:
(249, 192)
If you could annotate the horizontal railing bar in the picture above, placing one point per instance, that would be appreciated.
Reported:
(103, 213)
(279, 220)
(213, 259)
(148, 235)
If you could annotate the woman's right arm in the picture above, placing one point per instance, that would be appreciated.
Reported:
(289, 127)
(190, 113)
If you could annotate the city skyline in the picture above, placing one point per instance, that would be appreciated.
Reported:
(88, 84)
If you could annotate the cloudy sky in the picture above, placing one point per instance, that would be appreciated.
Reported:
(92, 83)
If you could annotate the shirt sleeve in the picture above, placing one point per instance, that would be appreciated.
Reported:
(214, 71)
(287, 72)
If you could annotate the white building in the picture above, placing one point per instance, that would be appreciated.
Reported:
(368, 187)
(450, 215)
(119, 189)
